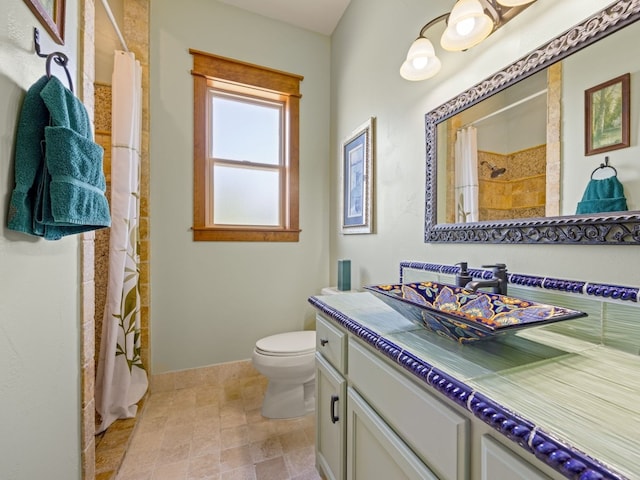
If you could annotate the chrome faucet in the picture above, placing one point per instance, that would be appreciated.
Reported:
(498, 282)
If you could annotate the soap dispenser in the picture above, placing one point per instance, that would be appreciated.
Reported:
(463, 277)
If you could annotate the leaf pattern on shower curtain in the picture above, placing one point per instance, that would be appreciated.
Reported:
(462, 215)
(128, 327)
(130, 303)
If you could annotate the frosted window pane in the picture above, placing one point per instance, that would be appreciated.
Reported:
(245, 131)
(245, 197)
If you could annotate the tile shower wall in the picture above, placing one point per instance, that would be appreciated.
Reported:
(520, 191)
(613, 310)
(101, 258)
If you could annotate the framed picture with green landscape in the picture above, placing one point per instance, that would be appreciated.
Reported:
(606, 108)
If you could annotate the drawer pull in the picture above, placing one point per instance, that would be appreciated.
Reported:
(334, 400)
(323, 342)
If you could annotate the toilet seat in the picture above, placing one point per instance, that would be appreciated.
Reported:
(288, 344)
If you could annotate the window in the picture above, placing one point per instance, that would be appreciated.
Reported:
(245, 151)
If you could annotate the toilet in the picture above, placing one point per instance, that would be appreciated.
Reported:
(288, 361)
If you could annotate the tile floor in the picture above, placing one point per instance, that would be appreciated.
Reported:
(111, 447)
(217, 433)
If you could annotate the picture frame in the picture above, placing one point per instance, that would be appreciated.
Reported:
(607, 116)
(50, 13)
(358, 151)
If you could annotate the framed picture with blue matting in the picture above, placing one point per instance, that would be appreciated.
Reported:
(358, 151)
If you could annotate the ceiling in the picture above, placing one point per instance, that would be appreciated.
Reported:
(320, 16)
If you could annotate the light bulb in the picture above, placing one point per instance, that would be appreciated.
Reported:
(420, 52)
(465, 27)
(419, 62)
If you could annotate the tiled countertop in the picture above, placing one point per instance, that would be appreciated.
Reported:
(574, 404)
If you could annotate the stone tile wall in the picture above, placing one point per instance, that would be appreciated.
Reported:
(518, 193)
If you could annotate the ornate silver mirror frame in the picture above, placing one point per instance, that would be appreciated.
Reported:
(612, 229)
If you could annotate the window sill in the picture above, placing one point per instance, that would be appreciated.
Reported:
(209, 234)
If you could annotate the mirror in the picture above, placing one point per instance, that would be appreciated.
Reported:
(532, 175)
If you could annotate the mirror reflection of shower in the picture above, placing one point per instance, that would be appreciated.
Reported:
(495, 171)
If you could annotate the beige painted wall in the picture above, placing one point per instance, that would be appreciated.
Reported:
(367, 50)
(39, 289)
(211, 301)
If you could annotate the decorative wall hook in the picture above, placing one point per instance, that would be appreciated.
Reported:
(58, 57)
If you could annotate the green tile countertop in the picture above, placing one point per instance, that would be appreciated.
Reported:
(582, 394)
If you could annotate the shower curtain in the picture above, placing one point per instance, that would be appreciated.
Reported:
(466, 175)
(121, 379)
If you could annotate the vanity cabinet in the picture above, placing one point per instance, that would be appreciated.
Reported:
(376, 421)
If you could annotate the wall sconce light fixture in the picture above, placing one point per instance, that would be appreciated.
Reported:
(468, 24)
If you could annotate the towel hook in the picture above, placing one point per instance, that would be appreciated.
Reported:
(58, 57)
(604, 165)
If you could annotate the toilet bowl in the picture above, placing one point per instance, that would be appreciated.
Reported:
(288, 361)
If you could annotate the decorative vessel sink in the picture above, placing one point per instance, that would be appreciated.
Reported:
(467, 316)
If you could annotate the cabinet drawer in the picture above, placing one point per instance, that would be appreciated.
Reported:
(331, 343)
(436, 432)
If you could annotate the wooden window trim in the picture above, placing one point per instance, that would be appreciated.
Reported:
(213, 70)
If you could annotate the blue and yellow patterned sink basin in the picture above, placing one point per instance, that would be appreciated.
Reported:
(467, 316)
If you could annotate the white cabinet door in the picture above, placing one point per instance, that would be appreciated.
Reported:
(437, 433)
(374, 451)
(499, 462)
(330, 420)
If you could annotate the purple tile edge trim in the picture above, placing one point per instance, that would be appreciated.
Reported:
(563, 458)
(615, 292)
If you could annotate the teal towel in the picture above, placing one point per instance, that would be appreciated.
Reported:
(29, 159)
(66, 194)
(603, 195)
(74, 162)
(76, 192)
